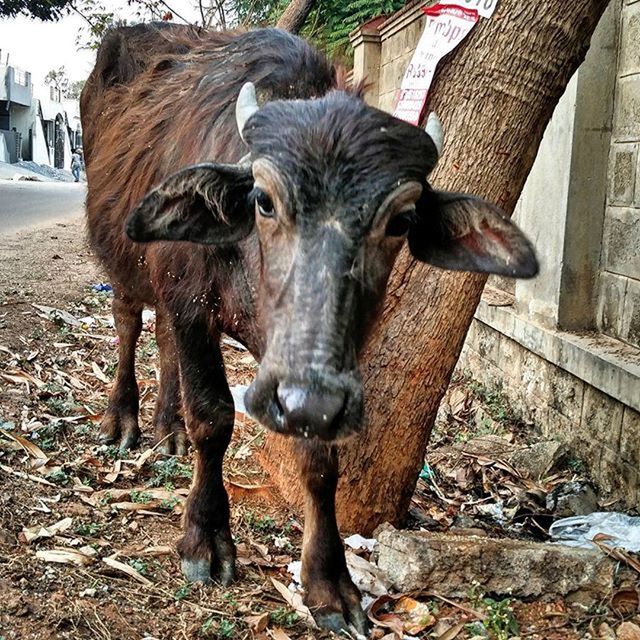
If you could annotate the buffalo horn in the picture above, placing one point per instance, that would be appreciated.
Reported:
(246, 105)
(434, 129)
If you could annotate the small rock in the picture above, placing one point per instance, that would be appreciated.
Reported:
(490, 445)
(88, 593)
(572, 499)
(450, 563)
(539, 459)
(628, 631)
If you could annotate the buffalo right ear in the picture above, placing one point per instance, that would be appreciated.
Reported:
(206, 203)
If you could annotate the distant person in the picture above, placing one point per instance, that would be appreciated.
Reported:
(76, 164)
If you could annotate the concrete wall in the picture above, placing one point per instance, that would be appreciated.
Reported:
(564, 347)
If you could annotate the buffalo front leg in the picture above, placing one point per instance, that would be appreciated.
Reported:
(168, 425)
(206, 548)
(330, 594)
(120, 421)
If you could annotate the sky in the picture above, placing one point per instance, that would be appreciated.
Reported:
(38, 47)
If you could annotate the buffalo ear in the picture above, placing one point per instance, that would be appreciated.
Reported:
(205, 203)
(464, 233)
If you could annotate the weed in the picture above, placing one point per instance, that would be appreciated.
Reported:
(36, 333)
(229, 598)
(169, 503)
(182, 592)
(139, 565)
(59, 477)
(284, 617)
(164, 471)
(260, 523)
(141, 497)
(577, 466)
(499, 620)
(48, 433)
(89, 529)
(225, 628)
(222, 629)
(60, 406)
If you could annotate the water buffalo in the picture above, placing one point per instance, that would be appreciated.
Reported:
(237, 186)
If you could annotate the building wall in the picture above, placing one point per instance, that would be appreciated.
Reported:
(564, 347)
(619, 304)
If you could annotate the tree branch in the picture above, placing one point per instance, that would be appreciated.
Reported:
(295, 15)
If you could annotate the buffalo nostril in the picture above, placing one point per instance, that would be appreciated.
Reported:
(310, 412)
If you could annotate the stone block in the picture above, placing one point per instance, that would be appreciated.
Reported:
(626, 126)
(621, 242)
(510, 358)
(613, 289)
(536, 376)
(566, 393)
(630, 437)
(617, 480)
(449, 564)
(601, 419)
(629, 61)
(631, 315)
(560, 427)
(622, 173)
(487, 343)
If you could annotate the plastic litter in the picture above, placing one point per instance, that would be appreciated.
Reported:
(356, 541)
(102, 286)
(621, 530)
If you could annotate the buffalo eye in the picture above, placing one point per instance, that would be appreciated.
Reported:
(265, 206)
(399, 225)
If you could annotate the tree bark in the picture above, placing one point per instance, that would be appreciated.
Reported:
(295, 15)
(495, 95)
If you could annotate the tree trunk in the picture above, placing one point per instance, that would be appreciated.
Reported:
(294, 15)
(495, 95)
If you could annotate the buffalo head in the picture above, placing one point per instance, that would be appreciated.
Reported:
(333, 188)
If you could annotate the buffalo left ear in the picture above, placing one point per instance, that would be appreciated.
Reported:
(206, 203)
(464, 233)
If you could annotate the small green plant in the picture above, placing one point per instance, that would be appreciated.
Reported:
(88, 529)
(284, 617)
(61, 407)
(36, 333)
(48, 433)
(59, 477)
(139, 565)
(499, 619)
(169, 503)
(577, 466)
(260, 523)
(225, 628)
(182, 592)
(165, 471)
(141, 497)
(229, 598)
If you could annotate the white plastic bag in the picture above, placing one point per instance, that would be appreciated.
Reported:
(578, 531)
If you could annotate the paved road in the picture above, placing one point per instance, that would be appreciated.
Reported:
(29, 204)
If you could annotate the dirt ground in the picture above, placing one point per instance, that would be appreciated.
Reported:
(87, 539)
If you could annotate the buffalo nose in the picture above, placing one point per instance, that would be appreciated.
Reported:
(311, 413)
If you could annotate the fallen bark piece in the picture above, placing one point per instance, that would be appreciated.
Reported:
(449, 564)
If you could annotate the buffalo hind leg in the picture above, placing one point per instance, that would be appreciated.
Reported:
(206, 548)
(120, 421)
(330, 594)
(168, 425)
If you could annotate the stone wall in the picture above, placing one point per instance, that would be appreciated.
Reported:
(565, 347)
(619, 306)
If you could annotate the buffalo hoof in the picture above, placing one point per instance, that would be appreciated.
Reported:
(203, 571)
(174, 442)
(196, 570)
(337, 607)
(117, 427)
